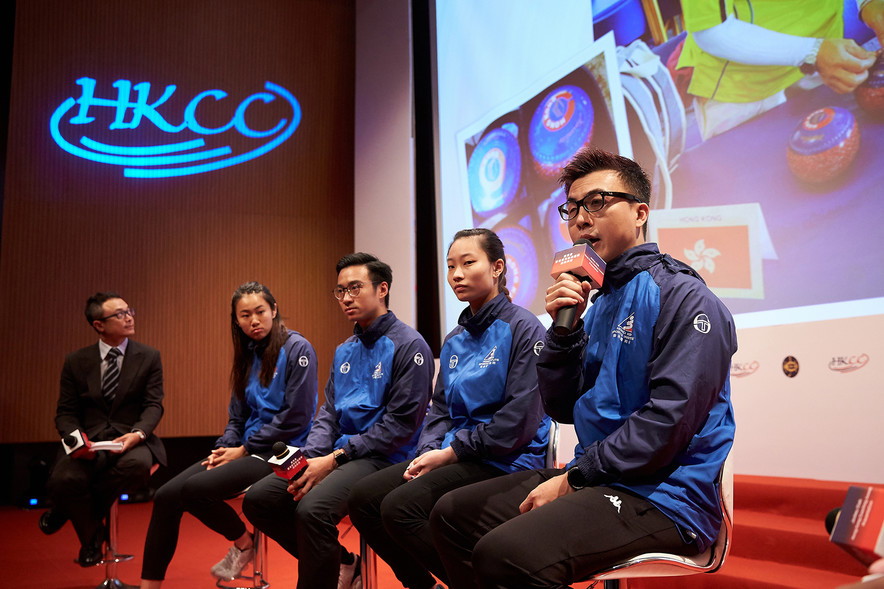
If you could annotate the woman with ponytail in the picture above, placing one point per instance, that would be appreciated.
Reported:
(273, 398)
(485, 420)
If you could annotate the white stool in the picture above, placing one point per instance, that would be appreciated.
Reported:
(661, 564)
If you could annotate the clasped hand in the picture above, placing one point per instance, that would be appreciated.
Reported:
(222, 455)
(428, 461)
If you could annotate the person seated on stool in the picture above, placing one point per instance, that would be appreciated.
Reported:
(110, 391)
(274, 396)
(486, 419)
(375, 402)
(644, 379)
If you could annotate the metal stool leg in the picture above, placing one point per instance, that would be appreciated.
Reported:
(111, 558)
(259, 566)
(369, 565)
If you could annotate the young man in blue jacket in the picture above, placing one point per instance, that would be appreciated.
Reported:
(644, 379)
(376, 399)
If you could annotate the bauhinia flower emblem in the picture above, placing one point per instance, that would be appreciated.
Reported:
(701, 256)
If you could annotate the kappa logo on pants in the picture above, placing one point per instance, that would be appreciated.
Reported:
(615, 501)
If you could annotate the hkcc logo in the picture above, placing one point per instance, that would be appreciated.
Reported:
(177, 157)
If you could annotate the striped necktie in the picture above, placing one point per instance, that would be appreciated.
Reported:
(111, 375)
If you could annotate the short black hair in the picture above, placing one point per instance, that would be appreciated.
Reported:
(94, 304)
(378, 271)
(589, 160)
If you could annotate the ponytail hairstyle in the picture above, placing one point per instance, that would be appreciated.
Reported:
(244, 347)
(493, 248)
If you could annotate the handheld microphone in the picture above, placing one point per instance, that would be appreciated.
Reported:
(287, 461)
(76, 445)
(832, 519)
(581, 261)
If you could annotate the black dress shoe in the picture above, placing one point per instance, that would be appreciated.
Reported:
(92, 552)
(51, 521)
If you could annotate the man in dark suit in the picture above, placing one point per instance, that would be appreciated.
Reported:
(110, 391)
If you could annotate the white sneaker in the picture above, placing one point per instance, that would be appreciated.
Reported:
(349, 577)
(233, 563)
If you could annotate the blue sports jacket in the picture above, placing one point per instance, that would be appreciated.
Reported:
(646, 386)
(486, 405)
(377, 393)
(284, 410)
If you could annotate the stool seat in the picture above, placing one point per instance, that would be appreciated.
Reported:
(661, 564)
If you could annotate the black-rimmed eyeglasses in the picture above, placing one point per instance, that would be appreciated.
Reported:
(121, 314)
(352, 290)
(591, 203)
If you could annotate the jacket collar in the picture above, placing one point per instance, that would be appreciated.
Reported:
(478, 323)
(635, 260)
(378, 327)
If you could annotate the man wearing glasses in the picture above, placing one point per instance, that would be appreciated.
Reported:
(643, 378)
(110, 391)
(376, 399)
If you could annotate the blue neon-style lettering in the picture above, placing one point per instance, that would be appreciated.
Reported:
(190, 113)
(143, 109)
(142, 150)
(240, 117)
(132, 160)
(159, 161)
(278, 140)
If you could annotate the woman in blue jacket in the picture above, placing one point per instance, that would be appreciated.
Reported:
(485, 420)
(273, 399)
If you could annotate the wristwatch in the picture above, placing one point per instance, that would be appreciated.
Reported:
(140, 434)
(808, 66)
(576, 478)
(340, 456)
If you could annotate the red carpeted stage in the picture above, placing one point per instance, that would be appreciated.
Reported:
(779, 542)
(31, 559)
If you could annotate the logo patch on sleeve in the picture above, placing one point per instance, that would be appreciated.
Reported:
(702, 323)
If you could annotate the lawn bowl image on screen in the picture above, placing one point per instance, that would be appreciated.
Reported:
(559, 238)
(823, 145)
(561, 125)
(494, 172)
(870, 94)
(521, 264)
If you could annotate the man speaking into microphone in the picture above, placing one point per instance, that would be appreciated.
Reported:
(644, 379)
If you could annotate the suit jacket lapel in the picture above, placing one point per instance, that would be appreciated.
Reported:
(131, 362)
(92, 367)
